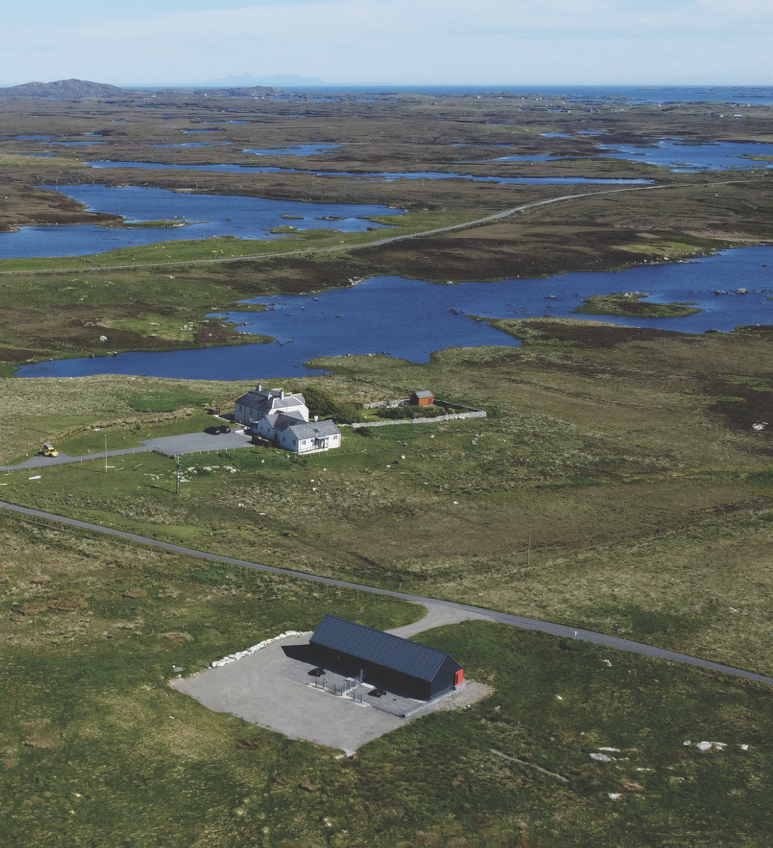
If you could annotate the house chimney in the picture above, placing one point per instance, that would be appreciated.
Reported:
(258, 388)
(316, 417)
(281, 394)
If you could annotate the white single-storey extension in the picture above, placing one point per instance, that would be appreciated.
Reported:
(299, 436)
(284, 420)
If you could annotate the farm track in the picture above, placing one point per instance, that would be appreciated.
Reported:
(564, 631)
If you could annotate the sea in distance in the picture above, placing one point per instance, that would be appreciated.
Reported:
(411, 318)
(738, 94)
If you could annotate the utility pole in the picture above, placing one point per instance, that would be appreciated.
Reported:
(105, 453)
(177, 477)
(528, 548)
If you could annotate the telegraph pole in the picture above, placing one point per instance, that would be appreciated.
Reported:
(177, 477)
(528, 548)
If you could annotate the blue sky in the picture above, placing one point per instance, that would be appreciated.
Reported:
(462, 42)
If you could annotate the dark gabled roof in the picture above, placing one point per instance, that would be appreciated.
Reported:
(375, 646)
(267, 400)
(422, 394)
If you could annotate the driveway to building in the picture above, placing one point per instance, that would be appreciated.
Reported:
(439, 607)
(437, 615)
(171, 445)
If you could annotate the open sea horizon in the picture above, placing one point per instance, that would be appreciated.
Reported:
(741, 95)
(750, 95)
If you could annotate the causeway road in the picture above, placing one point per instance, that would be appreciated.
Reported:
(441, 611)
(487, 219)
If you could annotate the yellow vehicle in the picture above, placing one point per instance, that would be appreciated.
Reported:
(49, 450)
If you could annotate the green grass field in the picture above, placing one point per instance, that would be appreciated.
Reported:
(98, 750)
(630, 453)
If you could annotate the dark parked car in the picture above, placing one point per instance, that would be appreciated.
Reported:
(317, 672)
(217, 429)
(377, 693)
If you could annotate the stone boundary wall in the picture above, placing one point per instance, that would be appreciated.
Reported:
(454, 416)
(392, 404)
(382, 404)
(239, 654)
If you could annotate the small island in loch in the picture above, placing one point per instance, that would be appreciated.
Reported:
(633, 305)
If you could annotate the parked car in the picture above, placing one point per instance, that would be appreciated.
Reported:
(377, 693)
(317, 672)
(217, 429)
(49, 450)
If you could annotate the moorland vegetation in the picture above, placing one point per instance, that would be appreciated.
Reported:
(632, 455)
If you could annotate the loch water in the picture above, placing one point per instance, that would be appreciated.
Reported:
(411, 318)
(383, 176)
(201, 216)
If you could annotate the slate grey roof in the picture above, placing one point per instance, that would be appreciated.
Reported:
(251, 398)
(284, 421)
(384, 649)
(423, 394)
(265, 402)
(315, 429)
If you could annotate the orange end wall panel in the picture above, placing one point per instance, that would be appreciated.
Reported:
(459, 677)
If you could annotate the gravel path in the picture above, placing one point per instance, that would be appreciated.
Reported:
(440, 607)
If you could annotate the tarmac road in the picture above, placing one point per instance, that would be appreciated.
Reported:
(444, 610)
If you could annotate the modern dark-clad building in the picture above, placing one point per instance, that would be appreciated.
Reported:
(387, 660)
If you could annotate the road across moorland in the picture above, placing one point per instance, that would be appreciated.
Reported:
(306, 251)
(437, 607)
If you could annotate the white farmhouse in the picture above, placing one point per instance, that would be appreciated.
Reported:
(284, 420)
(253, 406)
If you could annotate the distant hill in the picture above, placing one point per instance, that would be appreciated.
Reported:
(71, 89)
(75, 89)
